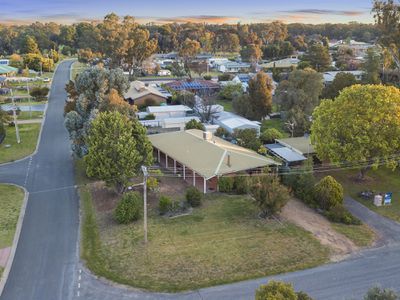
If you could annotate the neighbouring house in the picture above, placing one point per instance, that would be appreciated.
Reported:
(141, 94)
(286, 64)
(168, 111)
(6, 70)
(330, 76)
(201, 158)
(232, 67)
(292, 151)
(196, 86)
(213, 62)
(359, 48)
(164, 73)
(231, 122)
(4, 62)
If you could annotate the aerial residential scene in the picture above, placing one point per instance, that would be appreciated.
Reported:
(200, 150)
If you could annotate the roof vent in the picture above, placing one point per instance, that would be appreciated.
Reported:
(207, 135)
(229, 160)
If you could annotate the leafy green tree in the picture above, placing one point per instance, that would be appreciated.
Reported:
(270, 135)
(33, 61)
(377, 293)
(361, 127)
(54, 55)
(270, 195)
(188, 51)
(260, 92)
(117, 148)
(247, 138)
(341, 81)
(193, 124)
(372, 67)
(30, 46)
(277, 290)
(229, 91)
(319, 57)
(298, 96)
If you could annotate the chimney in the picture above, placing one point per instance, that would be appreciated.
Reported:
(207, 135)
(229, 160)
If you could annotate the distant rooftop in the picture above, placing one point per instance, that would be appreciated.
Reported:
(196, 84)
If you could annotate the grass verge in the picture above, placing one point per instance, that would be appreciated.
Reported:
(382, 180)
(77, 68)
(26, 115)
(29, 134)
(227, 104)
(361, 235)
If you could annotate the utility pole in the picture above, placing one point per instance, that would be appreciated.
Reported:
(145, 174)
(15, 118)
(29, 97)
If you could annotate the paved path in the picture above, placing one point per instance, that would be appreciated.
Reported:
(4, 254)
(30, 121)
(46, 263)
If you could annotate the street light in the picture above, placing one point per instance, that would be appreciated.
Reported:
(146, 174)
(14, 107)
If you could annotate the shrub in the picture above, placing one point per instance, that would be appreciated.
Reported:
(150, 117)
(193, 124)
(207, 77)
(150, 102)
(152, 183)
(339, 214)
(221, 132)
(377, 293)
(39, 93)
(303, 296)
(247, 138)
(193, 196)
(129, 208)
(241, 185)
(276, 290)
(229, 91)
(270, 135)
(225, 77)
(225, 184)
(164, 204)
(328, 193)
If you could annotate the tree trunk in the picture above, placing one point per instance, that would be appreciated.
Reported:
(363, 171)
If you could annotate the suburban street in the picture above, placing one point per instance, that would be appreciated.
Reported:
(47, 266)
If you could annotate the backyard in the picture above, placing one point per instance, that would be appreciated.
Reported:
(10, 204)
(382, 180)
(222, 241)
(10, 150)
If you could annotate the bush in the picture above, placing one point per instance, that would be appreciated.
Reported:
(225, 77)
(39, 93)
(339, 214)
(247, 138)
(193, 124)
(276, 290)
(377, 293)
(328, 193)
(152, 184)
(165, 204)
(303, 296)
(150, 117)
(225, 184)
(150, 102)
(270, 135)
(129, 208)
(207, 77)
(193, 196)
(222, 132)
(229, 91)
(241, 184)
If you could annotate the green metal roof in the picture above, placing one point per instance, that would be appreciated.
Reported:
(7, 69)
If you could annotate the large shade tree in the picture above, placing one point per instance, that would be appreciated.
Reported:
(361, 127)
(117, 148)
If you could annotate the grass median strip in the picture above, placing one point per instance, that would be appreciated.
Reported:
(29, 134)
(361, 235)
(11, 198)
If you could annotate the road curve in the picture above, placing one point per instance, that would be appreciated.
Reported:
(45, 262)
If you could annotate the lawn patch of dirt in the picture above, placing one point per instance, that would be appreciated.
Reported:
(303, 216)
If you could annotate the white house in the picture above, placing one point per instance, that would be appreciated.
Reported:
(286, 63)
(163, 72)
(5, 62)
(168, 111)
(233, 67)
(231, 122)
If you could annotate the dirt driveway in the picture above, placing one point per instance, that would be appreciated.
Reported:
(301, 215)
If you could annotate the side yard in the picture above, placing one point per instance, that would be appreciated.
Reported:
(382, 180)
(222, 241)
(29, 134)
(11, 198)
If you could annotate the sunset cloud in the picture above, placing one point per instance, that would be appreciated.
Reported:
(326, 12)
(198, 19)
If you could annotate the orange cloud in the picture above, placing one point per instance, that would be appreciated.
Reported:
(198, 19)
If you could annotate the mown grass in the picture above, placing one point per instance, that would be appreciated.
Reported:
(29, 134)
(278, 124)
(382, 180)
(26, 115)
(221, 242)
(227, 104)
(361, 235)
(11, 198)
(77, 68)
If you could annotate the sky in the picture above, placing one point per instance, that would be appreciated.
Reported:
(209, 11)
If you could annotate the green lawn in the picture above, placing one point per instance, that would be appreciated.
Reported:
(382, 180)
(361, 235)
(29, 135)
(26, 115)
(278, 124)
(10, 204)
(227, 104)
(221, 242)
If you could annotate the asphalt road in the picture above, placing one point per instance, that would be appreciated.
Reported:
(46, 264)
